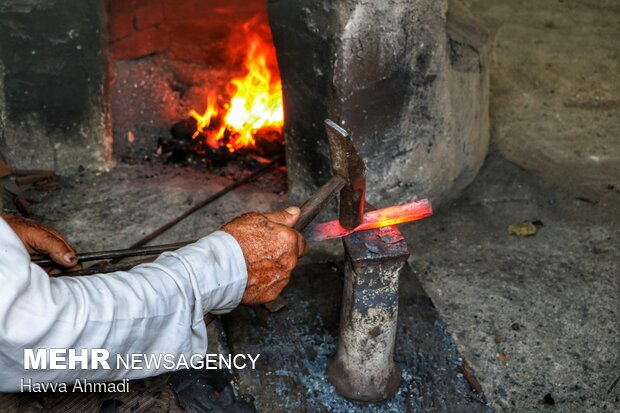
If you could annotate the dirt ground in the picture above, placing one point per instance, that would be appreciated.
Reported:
(536, 318)
(537, 315)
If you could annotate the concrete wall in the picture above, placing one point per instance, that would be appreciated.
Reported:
(196, 31)
(408, 80)
(51, 83)
(555, 89)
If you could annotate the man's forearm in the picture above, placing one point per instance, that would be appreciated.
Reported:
(154, 308)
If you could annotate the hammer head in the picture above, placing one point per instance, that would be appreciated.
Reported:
(347, 163)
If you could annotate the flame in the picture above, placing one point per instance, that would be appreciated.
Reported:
(204, 121)
(255, 100)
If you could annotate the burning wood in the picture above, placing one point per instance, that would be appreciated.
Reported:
(245, 118)
(182, 147)
(253, 113)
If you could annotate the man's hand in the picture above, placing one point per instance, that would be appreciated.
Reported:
(271, 247)
(41, 239)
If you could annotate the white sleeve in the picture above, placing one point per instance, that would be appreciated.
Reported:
(154, 308)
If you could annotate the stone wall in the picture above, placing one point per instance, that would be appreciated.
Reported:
(195, 31)
(555, 84)
(408, 79)
(51, 83)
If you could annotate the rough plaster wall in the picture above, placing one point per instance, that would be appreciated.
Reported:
(2, 109)
(555, 87)
(413, 94)
(52, 83)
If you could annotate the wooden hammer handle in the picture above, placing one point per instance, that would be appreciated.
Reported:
(317, 202)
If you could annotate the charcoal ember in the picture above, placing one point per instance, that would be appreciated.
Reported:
(221, 156)
(228, 137)
(166, 146)
(184, 129)
(185, 147)
(178, 155)
(173, 150)
(269, 142)
(199, 145)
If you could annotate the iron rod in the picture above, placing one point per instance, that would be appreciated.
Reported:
(101, 270)
(157, 232)
(122, 253)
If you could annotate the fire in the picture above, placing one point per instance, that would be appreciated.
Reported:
(255, 100)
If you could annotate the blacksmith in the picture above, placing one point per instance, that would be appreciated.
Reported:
(155, 308)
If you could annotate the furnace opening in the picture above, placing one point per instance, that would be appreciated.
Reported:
(193, 82)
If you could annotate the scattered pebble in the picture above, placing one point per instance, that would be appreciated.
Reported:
(548, 399)
(501, 358)
(523, 229)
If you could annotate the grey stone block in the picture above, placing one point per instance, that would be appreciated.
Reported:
(51, 83)
(408, 79)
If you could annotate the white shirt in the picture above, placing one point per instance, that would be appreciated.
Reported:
(154, 308)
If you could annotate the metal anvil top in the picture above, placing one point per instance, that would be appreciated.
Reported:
(381, 244)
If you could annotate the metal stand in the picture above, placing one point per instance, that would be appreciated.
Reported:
(364, 368)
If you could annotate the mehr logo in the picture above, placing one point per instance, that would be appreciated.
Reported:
(66, 359)
(98, 358)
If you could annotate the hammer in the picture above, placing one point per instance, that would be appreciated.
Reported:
(349, 178)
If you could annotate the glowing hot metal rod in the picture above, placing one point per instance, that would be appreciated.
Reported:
(379, 218)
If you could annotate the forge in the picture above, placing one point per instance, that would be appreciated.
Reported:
(132, 124)
(216, 89)
(104, 82)
(223, 88)
(201, 73)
